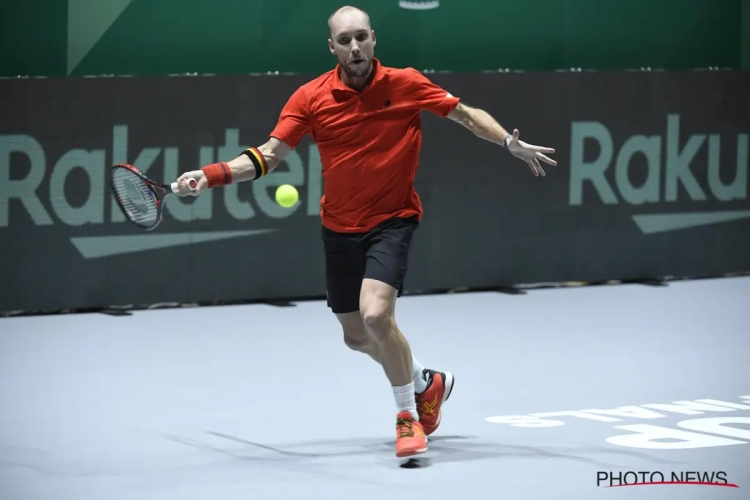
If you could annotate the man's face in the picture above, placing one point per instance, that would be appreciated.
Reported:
(353, 42)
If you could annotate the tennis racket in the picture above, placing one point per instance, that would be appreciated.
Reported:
(141, 199)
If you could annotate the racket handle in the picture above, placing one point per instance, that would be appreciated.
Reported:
(192, 185)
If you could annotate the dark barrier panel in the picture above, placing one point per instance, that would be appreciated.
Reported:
(652, 181)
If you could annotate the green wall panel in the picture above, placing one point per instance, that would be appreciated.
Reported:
(156, 37)
(33, 37)
(745, 28)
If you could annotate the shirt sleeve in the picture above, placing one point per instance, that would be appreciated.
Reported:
(294, 120)
(430, 96)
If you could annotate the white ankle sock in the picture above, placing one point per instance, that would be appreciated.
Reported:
(405, 401)
(420, 384)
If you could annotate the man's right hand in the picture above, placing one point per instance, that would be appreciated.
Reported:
(182, 182)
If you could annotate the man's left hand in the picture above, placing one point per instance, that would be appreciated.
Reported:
(530, 154)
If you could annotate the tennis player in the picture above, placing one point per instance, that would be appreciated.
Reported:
(365, 119)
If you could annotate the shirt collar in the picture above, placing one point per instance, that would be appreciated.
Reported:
(338, 86)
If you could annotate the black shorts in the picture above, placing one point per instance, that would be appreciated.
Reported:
(381, 254)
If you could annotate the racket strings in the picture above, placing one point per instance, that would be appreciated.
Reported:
(135, 198)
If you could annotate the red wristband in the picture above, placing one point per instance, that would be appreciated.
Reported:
(217, 174)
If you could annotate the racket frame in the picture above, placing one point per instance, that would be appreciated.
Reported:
(159, 190)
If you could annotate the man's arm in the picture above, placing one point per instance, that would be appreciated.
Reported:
(479, 122)
(274, 151)
(244, 167)
(260, 161)
(432, 97)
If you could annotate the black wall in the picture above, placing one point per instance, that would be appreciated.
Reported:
(651, 182)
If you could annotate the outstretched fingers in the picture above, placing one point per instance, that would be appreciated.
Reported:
(539, 167)
(546, 159)
(536, 168)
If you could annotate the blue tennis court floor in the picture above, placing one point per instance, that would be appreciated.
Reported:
(560, 394)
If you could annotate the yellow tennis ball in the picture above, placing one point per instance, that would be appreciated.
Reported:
(286, 195)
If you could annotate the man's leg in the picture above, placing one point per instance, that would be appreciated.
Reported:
(348, 259)
(345, 270)
(358, 339)
(419, 393)
(377, 308)
(377, 305)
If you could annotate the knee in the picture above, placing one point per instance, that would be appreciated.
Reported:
(376, 306)
(356, 339)
(378, 322)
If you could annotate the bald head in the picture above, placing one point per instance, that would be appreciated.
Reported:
(352, 41)
(347, 17)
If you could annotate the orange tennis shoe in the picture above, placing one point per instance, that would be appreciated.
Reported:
(430, 402)
(410, 437)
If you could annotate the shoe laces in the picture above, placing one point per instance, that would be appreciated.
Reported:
(405, 427)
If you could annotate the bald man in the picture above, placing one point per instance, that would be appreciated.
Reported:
(365, 120)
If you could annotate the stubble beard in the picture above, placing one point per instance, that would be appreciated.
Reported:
(358, 71)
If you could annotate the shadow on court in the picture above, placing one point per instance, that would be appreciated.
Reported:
(443, 450)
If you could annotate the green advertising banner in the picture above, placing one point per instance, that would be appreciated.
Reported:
(148, 37)
(745, 29)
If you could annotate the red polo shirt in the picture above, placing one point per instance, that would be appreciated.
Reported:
(369, 142)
